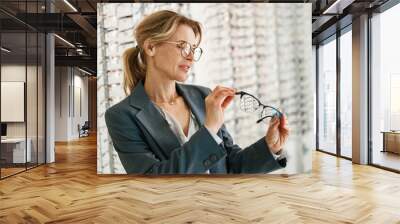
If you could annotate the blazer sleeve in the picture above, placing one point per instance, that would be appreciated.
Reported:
(257, 158)
(197, 155)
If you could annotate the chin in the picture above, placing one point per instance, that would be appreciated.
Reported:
(182, 77)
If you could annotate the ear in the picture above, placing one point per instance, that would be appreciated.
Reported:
(149, 48)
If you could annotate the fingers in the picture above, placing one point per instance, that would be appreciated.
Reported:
(274, 121)
(221, 88)
(220, 98)
(273, 124)
(227, 101)
(221, 93)
(283, 121)
(279, 124)
(283, 128)
(218, 90)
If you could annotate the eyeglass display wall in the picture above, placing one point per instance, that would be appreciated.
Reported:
(22, 87)
(262, 49)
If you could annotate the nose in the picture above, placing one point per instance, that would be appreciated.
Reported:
(190, 56)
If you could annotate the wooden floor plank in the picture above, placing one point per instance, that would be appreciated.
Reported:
(70, 191)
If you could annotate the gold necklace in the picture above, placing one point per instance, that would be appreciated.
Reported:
(172, 102)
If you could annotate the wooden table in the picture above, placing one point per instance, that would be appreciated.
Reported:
(13, 150)
(391, 141)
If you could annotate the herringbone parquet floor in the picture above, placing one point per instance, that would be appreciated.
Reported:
(70, 191)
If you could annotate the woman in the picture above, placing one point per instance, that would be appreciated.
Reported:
(164, 127)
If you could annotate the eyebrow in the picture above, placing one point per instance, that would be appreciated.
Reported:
(194, 45)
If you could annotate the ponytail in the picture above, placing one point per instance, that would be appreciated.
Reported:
(134, 68)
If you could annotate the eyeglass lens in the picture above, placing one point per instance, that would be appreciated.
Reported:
(186, 49)
(268, 112)
(249, 104)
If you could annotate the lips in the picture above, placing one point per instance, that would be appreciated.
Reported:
(184, 67)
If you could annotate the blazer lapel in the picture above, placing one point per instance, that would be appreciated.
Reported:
(194, 100)
(153, 121)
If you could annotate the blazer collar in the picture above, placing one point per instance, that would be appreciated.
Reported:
(194, 100)
(153, 121)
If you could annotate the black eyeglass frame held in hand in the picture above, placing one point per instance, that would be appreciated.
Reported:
(264, 107)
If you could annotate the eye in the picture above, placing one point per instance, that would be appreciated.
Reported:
(182, 44)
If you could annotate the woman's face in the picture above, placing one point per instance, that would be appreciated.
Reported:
(168, 59)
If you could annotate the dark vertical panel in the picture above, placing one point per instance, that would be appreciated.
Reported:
(73, 91)
(369, 100)
(37, 90)
(317, 96)
(338, 81)
(69, 100)
(45, 89)
(93, 103)
(60, 86)
(45, 97)
(25, 88)
(1, 165)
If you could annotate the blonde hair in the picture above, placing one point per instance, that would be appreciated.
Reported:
(155, 28)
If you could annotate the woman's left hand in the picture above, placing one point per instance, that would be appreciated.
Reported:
(277, 133)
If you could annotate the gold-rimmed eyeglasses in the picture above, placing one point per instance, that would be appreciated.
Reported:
(186, 49)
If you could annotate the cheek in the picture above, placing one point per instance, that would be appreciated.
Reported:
(170, 61)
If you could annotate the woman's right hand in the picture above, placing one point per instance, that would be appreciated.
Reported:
(216, 103)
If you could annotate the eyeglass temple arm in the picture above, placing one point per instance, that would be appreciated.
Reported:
(277, 113)
(245, 93)
(261, 119)
(242, 93)
(239, 93)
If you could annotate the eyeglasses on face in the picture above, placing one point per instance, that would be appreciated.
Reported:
(186, 49)
(251, 104)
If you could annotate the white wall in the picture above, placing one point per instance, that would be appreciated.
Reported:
(67, 115)
(15, 73)
(33, 126)
(61, 103)
(80, 84)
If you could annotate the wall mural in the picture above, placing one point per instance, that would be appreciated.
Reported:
(263, 49)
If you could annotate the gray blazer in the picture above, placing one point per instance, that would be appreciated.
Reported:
(146, 144)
